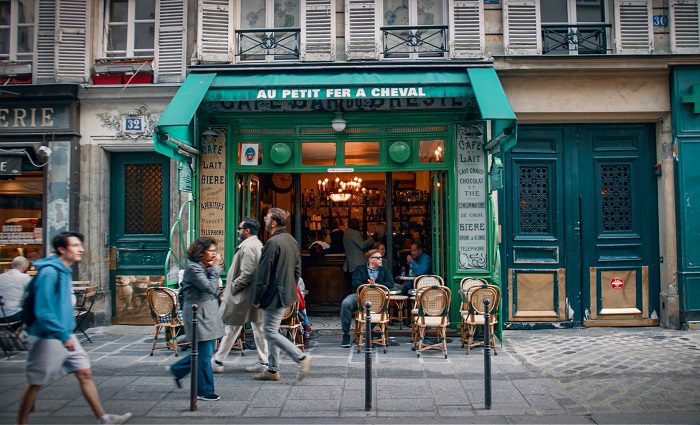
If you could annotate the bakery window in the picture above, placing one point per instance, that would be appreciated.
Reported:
(21, 206)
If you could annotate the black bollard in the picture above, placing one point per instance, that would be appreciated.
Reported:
(193, 360)
(368, 357)
(487, 356)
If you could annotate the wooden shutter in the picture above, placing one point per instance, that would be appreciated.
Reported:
(45, 56)
(171, 41)
(522, 32)
(466, 29)
(685, 26)
(318, 37)
(361, 30)
(633, 27)
(71, 44)
(214, 34)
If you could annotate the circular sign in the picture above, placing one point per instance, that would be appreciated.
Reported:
(399, 152)
(280, 153)
(617, 283)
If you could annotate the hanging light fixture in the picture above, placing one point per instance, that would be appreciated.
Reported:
(338, 123)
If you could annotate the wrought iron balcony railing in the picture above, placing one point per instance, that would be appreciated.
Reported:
(584, 39)
(420, 40)
(268, 43)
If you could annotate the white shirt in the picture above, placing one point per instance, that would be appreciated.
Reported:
(12, 286)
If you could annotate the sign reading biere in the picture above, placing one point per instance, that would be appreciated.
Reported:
(212, 188)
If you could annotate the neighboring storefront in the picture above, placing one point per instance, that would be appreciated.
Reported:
(39, 165)
(411, 147)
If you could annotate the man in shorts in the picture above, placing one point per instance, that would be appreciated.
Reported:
(52, 346)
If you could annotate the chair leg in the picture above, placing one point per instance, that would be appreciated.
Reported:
(443, 334)
(471, 329)
(493, 339)
(155, 339)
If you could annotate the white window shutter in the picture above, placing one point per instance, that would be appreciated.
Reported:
(361, 30)
(214, 31)
(45, 57)
(466, 29)
(522, 30)
(685, 26)
(633, 27)
(171, 41)
(318, 33)
(71, 41)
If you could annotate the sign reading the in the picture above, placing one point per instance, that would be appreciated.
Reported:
(10, 165)
(617, 283)
(471, 197)
(212, 188)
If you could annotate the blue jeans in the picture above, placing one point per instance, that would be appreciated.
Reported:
(205, 376)
(347, 310)
(271, 320)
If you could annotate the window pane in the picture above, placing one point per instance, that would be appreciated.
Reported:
(25, 11)
(361, 153)
(117, 37)
(395, 12)
(589, 11)
(5, 12)
(5, 41)
(318, 153)
(431, 151)
(287, 14)
(118, 11)
(144, 36)
(252, 14)
(25, 39)
(145, 9)
(430, 12)
(554, 11)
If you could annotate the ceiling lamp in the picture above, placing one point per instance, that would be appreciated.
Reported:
(340, 197)
(338, 123)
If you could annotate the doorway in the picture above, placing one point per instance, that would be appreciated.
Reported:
(580, 207)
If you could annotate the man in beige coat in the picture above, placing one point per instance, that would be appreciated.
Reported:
(237, 306)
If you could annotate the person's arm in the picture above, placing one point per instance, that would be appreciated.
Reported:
(421, 265)
(357, 278)
(206, 280)
(388, 278)
(262, 276)
(248, 264)
(46, 285)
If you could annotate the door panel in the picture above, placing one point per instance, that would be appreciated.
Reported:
(437, 221)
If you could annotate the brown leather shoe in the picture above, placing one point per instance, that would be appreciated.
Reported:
(266, 375)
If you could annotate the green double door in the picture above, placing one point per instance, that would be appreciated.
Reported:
(581, 226)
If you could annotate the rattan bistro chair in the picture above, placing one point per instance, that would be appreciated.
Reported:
(421, 282)
(378, 295)
(12, 338)
(291, 326)
(85, 295)
(475, 315)
(162, 303)
(467, 286)
(433, 312)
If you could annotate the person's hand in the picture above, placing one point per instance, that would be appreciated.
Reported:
(256, 305)
(409, 259)
(70, 344)
(218, 260)
(370, 280)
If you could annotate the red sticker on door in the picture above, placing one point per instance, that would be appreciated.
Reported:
(617, 283)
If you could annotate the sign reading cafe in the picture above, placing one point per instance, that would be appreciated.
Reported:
(471, 197)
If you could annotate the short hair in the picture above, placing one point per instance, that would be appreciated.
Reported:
(371, 252)
(197, 248)
(418, 245)
(251, 224)
(19, 262)
(354, 223)
(279, 215)
(61, 240)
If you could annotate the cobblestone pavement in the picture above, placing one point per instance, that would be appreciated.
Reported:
(558, 376)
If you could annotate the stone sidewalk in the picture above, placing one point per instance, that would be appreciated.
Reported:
(552, 376)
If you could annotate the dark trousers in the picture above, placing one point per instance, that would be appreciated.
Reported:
(205, 376)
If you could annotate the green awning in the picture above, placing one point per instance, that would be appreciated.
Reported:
(174, 134)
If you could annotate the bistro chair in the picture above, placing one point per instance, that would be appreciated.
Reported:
(433, 312)
(85, 295)
(166, 315)
(421, 282)
(378, 295)
(467, 286)
(11, 333)
(475, 315)
(291, 326)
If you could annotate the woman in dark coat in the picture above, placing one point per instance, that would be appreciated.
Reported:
(200, 285)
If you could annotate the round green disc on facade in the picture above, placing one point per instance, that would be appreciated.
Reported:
(399, 152)
(280, 153)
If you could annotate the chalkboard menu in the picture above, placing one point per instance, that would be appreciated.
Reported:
(212, 188)
(471, 197)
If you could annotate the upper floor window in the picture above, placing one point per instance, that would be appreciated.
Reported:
(131, 27)
(574, 27)
(414, 28)
(17, 19)
(269, 30)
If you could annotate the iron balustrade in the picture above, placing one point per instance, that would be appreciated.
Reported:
(424, 40)
(585, 39)
(262, 43)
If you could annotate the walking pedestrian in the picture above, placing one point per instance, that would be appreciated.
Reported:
(200, 285)
(237, 307)
(49, 318)
(275, 290)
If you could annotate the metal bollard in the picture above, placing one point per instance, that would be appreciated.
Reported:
(487, 356)
(193, 360)
(368, 357)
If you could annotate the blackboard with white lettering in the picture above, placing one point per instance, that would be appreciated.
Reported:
(10, 165)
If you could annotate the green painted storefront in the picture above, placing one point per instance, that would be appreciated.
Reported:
(461, 106)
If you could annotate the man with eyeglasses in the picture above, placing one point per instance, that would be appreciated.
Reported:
(372, 272)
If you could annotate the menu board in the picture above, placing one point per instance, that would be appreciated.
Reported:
(471, 196)
(212, 188)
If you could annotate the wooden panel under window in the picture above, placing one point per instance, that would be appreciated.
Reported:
(537, 295)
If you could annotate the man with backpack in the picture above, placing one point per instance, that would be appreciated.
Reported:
(48, 314)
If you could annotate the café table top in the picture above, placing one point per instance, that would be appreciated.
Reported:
(407, 278)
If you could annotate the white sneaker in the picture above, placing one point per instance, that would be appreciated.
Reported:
(109, 418)
(256, 367)
(217, 366)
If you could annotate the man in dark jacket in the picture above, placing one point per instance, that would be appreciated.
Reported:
(372, 272)
(275, 289)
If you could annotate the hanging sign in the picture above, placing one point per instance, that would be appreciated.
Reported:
(617, 282)
(471, 197)
(212, 188)
(10, 165)
(249, 153)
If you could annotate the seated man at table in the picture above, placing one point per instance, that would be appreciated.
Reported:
(372, 272)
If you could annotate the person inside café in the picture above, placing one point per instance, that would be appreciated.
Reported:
(336, 237)
(418, 261)
(355, 246)
(371, 272)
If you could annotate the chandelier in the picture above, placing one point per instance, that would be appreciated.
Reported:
(340, 190)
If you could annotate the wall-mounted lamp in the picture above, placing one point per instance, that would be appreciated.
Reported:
(209, 133)
(338, 123)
